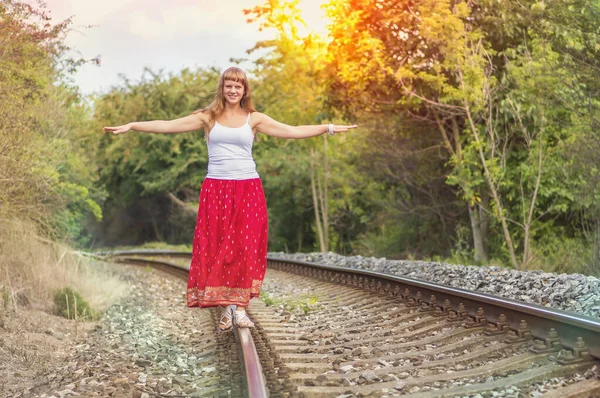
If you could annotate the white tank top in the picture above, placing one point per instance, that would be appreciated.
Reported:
(230, 152)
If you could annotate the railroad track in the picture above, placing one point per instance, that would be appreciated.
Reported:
(236, 378)
(326, 332)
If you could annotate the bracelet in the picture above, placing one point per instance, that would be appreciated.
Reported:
(330, 129)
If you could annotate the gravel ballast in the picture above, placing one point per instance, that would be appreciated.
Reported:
(149, 344)
(569, 292)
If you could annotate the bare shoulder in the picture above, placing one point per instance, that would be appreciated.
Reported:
(256, 118)
(257, 115)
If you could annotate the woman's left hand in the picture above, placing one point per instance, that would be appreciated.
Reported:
(342, 129)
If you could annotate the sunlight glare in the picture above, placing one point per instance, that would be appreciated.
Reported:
(314, 16)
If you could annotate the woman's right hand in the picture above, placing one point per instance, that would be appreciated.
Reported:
(118, 129)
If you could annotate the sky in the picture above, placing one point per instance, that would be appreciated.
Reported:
(129, 35)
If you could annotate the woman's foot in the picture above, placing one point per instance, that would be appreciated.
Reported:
(241, 319)
(225, 323)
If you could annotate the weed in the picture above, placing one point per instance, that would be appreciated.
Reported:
(268, 300)
(70, 304)
(33, 264)
(306, 304)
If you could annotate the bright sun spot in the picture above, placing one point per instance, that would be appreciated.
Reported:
(314, 16)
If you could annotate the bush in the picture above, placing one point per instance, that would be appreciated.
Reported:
(70, 304)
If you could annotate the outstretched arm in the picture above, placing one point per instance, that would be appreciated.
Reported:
(267, 125)
(192, 122)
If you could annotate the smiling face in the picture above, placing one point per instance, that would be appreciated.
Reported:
(233, 91)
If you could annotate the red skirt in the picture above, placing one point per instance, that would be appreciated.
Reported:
(229, 252)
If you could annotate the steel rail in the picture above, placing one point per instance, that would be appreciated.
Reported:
(252, 370)
(542, 321)
(249, 360)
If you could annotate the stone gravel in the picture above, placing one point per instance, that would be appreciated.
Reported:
(569, 292)
(149, 344)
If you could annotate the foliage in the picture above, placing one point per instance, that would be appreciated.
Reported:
(146, 164)
(149, 176)
(290, 88)
(476, 117)
(70, 304)
(304, 303)
(499, 81)
(43, 176)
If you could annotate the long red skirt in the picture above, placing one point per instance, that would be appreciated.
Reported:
(229, 253)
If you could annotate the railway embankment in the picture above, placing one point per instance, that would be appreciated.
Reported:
(569, 292)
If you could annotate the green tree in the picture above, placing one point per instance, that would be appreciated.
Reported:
(42, 175)
(491, 77)
(305, 181)
(152, 180)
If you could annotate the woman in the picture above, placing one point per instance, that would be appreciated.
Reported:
(229, 254)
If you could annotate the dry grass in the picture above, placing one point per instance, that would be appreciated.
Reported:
(32, 268)
(33, 341)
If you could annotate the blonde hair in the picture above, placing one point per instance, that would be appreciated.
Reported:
(217, 107)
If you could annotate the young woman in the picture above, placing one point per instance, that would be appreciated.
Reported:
(229, 253)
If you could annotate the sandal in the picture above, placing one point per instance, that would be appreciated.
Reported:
(225, 323)
(241, 320)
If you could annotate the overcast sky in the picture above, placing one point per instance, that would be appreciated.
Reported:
(170, 35)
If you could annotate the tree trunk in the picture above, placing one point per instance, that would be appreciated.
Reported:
(325, 194)
(186, 207)
(478, 236)
(484, 219)
(488, 178)
(157, 234)
(300, 237)
(323, 211)
(529, 220)
(316, 203)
